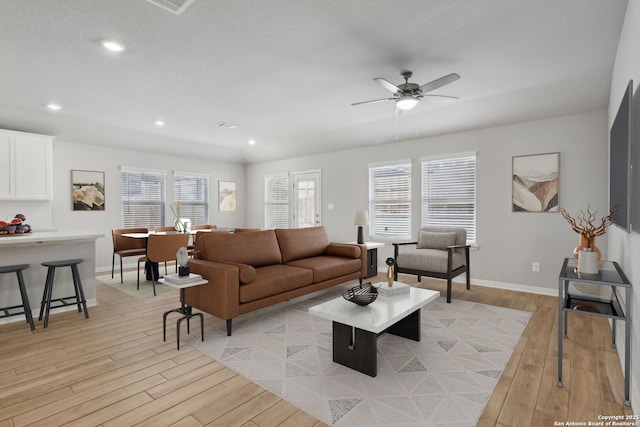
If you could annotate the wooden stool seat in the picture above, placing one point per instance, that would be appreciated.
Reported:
(78, 299)
(25, 306)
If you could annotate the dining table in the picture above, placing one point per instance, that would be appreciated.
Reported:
(151, 269)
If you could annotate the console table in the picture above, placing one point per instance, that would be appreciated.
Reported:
(610, 280)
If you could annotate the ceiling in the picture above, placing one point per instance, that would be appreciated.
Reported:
(287, 71)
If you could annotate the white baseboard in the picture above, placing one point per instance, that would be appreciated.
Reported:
(499, 285)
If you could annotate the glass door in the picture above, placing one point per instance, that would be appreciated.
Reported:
(306, 199)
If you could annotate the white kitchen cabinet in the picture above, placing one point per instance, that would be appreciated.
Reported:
(26, 168)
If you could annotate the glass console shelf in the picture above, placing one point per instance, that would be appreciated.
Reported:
(595, 295)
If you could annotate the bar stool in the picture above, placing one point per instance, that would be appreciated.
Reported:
(45, 306)
(26, 308)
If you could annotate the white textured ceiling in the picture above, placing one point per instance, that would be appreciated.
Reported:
(287, 71)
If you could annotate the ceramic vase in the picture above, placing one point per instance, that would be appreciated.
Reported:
(588, 261)
(582, 244)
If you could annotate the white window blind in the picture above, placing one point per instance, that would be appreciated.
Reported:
(192, 191)
(276, 193)
(390, 201)
(449, 193)
(143, 198)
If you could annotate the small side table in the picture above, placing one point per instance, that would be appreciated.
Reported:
(613, 280)
(185, 310)
(372, 257)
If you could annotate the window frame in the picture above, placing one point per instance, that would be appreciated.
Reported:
(195, 203)
(150, 221)
(272, 205)
(455, 193)
(378, 204)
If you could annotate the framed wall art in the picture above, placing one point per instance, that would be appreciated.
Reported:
(87, 190)
(535, 182)
(227, 196)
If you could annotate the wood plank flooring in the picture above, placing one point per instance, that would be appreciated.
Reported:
(114, 370)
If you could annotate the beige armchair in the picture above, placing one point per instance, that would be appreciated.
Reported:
(441, 252)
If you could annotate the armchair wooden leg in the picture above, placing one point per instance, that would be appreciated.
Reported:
(449, 291)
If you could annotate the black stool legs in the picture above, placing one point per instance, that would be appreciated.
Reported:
(79, 299)
(26, 307)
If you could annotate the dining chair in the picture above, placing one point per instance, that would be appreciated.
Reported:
(194, 232)
(162, 248)
(126, 246)
(165, 229)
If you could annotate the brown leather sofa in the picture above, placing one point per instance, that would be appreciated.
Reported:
(248, 271)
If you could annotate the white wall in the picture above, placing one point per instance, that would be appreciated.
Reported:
(508, 242)
(68, 156)
(625, 247)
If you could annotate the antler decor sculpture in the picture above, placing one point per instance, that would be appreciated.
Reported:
(584, 225)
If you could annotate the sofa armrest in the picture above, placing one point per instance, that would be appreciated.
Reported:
(345, 250)
(350, 250)
(246, 272)
(219, 297)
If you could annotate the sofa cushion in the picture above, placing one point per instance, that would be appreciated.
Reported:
(298, 243)
(274, 279)
(429, 260)
(246, 273)
(436, 240)
(257, 248)
(326, 267)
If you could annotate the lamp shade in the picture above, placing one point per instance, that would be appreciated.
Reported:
(406, 102)
(361, 218)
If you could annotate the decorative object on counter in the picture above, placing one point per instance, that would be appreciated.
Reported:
(360, 219)
(182, 225)
(227, 196)
(87, 190)
(362, 294)
(535, 182)
(16, 226)
(584, 225)
(182, 258)
(390, 262)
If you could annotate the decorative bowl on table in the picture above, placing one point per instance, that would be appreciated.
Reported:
(363, 294)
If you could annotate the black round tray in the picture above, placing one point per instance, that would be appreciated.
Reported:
(363, 294)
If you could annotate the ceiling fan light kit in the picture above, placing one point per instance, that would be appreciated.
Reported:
(407, 95)
(406, 102)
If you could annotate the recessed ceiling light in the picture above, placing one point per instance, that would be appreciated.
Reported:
(54, 107)
(112, 46)
(252, 142)
(159, 123)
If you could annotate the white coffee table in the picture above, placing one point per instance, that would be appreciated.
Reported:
(356, 328)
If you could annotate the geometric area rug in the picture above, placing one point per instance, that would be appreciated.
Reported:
(445, 379)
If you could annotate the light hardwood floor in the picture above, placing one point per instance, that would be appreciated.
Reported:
(114, 370)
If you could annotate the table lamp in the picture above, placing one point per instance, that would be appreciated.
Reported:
(360, 218)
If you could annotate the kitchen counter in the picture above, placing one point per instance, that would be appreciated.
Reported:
(40, 246)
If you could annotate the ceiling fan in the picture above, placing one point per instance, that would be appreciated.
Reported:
(407, 95)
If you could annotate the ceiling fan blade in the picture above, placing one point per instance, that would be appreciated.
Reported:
(438, 83)
(373, 101)
(440, 99)
(387, 85)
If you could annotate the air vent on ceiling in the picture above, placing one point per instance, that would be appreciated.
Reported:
(173, 6)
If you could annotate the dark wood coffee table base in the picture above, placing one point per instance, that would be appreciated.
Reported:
(357, 349)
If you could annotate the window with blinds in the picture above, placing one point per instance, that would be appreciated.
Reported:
(143, 198)
(276, 192)
(449, 193)
(192, 191)
(390, 201)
